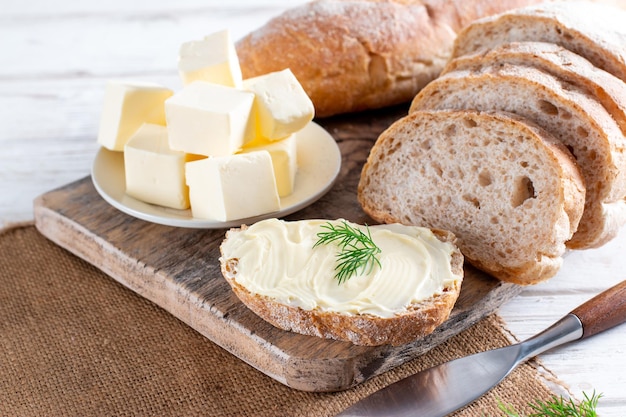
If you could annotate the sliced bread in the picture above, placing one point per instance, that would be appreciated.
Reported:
(564, 64)
(593, 30)
(574, 117)
(277, 270)
(507, 189)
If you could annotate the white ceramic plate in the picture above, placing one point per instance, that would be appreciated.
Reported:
(319, 161)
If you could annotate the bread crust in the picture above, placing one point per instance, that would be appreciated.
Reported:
(525, 260)
(564, 64)
(418, 321)
(591, 29)
(354, 55)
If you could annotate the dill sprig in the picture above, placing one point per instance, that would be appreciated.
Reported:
(559, 407)
(358, 250)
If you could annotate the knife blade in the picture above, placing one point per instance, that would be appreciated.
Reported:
(443, 389)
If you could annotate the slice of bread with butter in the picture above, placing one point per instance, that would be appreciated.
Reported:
(280, 271)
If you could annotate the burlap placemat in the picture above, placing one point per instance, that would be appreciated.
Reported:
(75, 342)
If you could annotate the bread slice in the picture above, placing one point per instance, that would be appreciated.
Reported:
(355, 55)
(270, 280)
(507, 189)
(578, 120)
(564, 64)
(593, 30)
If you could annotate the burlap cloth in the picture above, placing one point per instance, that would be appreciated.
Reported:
(75, 342)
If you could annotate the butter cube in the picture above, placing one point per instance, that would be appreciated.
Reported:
(213, 59)
(232, 187)
(128, 105)
(284, 161)
(209, 119)
(282, 106)
(154, 173)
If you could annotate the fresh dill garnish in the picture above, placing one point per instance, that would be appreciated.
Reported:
(559, 407)
(358, 250)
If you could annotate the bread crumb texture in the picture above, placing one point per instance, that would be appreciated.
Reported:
(509, 192)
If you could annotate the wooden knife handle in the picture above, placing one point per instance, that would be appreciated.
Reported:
(604, 311)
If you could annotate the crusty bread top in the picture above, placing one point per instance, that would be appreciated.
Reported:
(593, 30)
(507, 189)
(574, 117)
(354, 314)
(353, 55)
(564, 64)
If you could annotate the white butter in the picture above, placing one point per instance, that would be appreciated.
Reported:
(154, 173)
(128, 105)
(281, 105)
(284, 161)
(209, 119)
(278, 259)
(232, 187)
(213, 59)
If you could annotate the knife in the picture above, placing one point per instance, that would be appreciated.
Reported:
(443, 389)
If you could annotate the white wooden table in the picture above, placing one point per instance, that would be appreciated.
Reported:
(55, 59)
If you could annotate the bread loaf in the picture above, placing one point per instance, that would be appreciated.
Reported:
(353, 55)
(274, 269)
(507, 189)
(595, 31)
(574, 117)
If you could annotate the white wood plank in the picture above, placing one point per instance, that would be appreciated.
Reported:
(596, 363)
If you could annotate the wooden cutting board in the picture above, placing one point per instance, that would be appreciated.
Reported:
(178, 269)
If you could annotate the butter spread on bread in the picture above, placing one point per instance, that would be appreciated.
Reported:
(276, 269)
(354, 55)
(509, 191)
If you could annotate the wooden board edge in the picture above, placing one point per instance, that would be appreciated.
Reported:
(66, 233)
(386, 358)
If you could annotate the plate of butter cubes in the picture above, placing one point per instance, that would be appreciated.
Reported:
(220, 152)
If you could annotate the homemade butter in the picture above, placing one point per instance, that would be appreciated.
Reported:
(128, 105)
(232, 187)
(284, 161)
(213, 59)
(209, 119)
(154, 173)
(277, 259)
(281, 105)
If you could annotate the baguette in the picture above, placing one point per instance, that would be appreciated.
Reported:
(317, 305)
(507, 189)
(575, 118)
(592, 30)
(354, 55)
